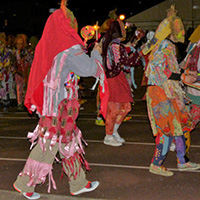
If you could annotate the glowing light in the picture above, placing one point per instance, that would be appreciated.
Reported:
(122, 17)
(96, 27)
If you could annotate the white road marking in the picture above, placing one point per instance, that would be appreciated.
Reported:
(104, 165)
(94, 141)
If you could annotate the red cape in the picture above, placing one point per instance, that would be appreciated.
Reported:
(57, 36)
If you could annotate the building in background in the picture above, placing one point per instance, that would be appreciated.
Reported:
(188, 10)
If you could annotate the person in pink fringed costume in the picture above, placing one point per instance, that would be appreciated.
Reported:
(53, 91)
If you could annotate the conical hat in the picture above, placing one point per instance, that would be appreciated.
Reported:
(171, 25)
(161, 33)
(195, 35)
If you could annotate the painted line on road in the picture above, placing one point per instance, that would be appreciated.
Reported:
(134, 167)
(13, 138)
(132, 115)
(104, 165)
(80, 118)
(85, 113)
(94, 141)
(18, 118)
(13, 159)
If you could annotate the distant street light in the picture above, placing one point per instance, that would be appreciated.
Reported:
(122, 17)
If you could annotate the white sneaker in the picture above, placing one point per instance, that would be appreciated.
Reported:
(118, 138)
(110, 140)
(34, 196)
(93, 186)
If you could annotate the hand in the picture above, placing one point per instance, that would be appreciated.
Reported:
(134, 43)
(188, 78)
(98, 47)
(128, 44)
(193, 73)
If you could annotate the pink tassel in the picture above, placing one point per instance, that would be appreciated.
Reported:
(37, 172)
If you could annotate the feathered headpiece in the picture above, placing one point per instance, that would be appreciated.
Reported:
(69, 14)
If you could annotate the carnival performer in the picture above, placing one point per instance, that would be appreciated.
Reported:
(114, 57)
(192, 64)
(53, 92)
(167, 112)
(21, 64)
(5, 62)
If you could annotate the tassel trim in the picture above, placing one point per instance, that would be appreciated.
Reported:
(37, 173)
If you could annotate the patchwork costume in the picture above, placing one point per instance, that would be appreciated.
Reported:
(192, 63)
(168, 115)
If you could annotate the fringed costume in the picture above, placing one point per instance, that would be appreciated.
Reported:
(53, 92)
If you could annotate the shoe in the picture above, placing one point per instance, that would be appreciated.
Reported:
(88, 188)
(172, 147)
(99, 122)
(118, 138)
(33, 195)
(127, 118)
(188, 166)
(110, 140)
(160, 170)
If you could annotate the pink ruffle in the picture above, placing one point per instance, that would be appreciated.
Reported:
(37, 173)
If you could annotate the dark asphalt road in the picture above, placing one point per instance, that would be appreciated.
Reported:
(122, 171)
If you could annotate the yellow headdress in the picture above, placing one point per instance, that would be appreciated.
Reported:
(195, 35)
(171, 25)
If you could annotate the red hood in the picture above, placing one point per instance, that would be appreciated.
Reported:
(57, 36)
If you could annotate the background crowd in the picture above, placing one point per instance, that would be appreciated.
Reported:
(17, 52)
(16, 56)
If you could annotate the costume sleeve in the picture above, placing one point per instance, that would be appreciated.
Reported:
(83, 65)
(127, 60)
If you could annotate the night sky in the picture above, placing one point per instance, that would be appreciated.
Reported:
(29, 16)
